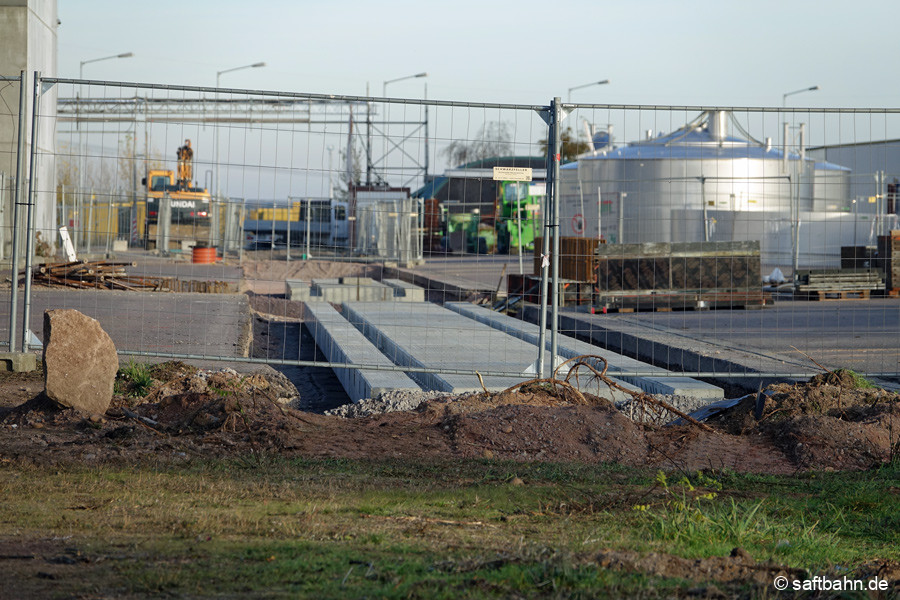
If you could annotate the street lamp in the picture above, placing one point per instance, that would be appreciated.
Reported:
(93, 60)
(578, 87)
(81, 149)
(253, 66)
(219, 74)
(384, 86)
(806, 89)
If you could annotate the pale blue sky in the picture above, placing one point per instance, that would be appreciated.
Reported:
(702, 52)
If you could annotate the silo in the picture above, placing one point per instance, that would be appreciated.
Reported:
(700, 183)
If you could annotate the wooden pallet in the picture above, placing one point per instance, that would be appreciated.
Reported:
(671, 302)
(822, 295)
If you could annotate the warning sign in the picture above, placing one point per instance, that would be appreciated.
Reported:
(512, 174)
(578, 224)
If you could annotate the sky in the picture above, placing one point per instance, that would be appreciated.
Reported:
(654, 52)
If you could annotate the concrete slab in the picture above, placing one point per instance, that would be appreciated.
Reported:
(19, 362)
(343, 343)
(405, 292)
(426, 335)
(297, 289)
(569, 347)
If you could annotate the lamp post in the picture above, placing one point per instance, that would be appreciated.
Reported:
(81, 148)
(219, 74)
(806, 89)
(578, 87)
(369, 122)
(385, 84)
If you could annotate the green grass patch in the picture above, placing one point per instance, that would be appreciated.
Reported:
(389, 528)
(134, 380)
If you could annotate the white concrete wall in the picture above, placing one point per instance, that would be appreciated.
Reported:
(28, 42)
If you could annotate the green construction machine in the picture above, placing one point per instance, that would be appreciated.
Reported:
(518, 215)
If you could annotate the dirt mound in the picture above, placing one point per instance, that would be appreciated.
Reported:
(829, 422)
(267, 276)
(193, 412)
(556, 433)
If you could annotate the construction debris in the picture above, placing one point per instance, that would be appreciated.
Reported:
(112, 276)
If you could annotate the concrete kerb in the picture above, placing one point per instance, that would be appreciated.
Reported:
(569, 347)
(405, 292)
(18, 362)
(352, 289)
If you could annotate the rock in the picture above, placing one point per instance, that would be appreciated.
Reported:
(516, 481)
(487, 454)
(80, 362)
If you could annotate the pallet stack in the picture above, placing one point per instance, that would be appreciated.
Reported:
(889, 260)
(837, 284)
(678, 276)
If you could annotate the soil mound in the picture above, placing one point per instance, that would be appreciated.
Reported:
(191, 412)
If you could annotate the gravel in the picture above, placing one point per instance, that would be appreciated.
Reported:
(393, 401)
(404, 400)
(686, 404)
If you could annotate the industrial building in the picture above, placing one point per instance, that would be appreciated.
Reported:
(704, 183)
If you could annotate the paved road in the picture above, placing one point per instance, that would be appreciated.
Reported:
(860, 334)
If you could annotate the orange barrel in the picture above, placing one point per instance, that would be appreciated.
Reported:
(203, 256)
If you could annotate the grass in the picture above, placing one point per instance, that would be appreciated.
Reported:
(389, 528)
(134, 380)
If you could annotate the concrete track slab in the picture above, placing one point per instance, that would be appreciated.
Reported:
(341, 342)
(427, 335)
(569, 347)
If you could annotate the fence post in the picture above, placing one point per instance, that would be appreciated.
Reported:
(554, 172)
(20, 167)
(30, 228)
(545, 241)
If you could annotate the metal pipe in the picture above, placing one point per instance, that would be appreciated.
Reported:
(109, 209)
(89, 226)
(785, 132)
(29, 226)
(412, 369)
(2, 204)
(308, 224)
(290, 217)
(705, 209)
(20, 168)
(554, 323)
(545, 242)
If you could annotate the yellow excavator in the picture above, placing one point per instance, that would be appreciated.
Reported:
(190, 204)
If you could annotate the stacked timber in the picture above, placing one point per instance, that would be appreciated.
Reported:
(889, 260)
(107, 275)
(837, 284)
(577, 260)
(667, 276)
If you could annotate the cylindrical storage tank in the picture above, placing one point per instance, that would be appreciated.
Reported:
(697, 184)
(201, 255)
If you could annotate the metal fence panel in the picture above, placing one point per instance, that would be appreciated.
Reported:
(661, 214)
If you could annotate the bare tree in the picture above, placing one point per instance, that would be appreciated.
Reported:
(493, 139)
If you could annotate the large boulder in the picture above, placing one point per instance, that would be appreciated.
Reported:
(80, 361)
